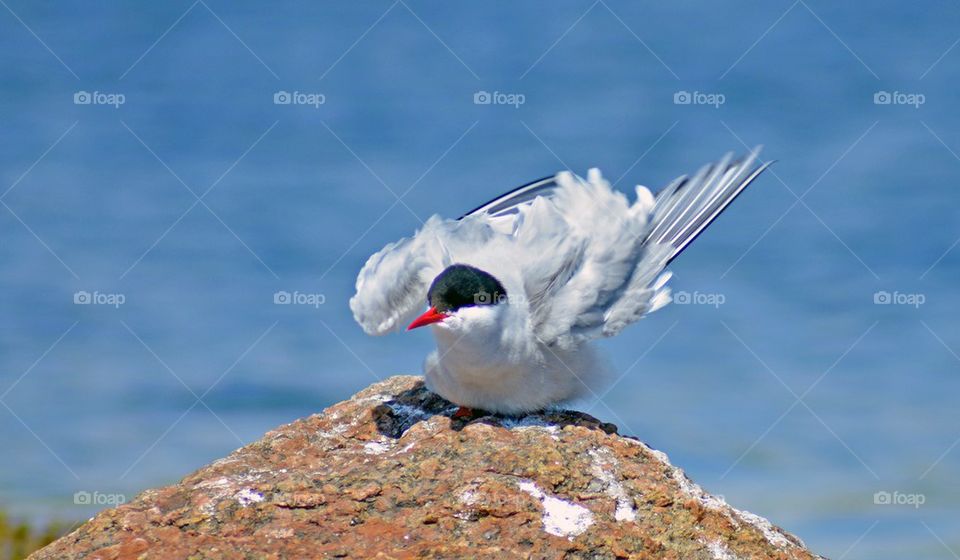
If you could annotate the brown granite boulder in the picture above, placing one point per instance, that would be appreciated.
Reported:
(389, 474)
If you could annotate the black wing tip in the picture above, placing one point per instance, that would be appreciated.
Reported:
(757, 171)
(507, 194)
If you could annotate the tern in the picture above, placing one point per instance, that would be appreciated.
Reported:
(516, 289)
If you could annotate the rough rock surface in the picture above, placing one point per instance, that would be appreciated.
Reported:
(389, 474)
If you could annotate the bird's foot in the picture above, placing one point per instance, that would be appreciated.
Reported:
(463, 412)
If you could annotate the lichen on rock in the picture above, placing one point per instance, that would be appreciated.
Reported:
(390, 474)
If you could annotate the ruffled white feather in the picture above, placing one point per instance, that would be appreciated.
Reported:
(585, 261)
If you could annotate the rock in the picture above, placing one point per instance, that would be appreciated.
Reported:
(389, 474)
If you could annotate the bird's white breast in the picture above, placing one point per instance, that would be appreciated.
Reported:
(492, 367)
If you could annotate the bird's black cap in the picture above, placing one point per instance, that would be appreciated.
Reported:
(461, 285)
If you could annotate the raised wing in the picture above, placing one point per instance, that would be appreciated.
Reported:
(392, 286)
(583, 247)
(605, 268)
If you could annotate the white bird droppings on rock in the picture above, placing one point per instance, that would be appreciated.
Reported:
(246, 497)
(408, 414)
(719, 551)
(560, 518)
(376, 447)
(602, 466)
(530, 422)
(468, 497)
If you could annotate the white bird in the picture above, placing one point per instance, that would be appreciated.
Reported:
(517, 288)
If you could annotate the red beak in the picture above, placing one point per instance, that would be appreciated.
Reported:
(430, 316)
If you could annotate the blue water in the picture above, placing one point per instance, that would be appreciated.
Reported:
(104, 399)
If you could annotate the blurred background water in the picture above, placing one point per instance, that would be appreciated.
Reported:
(783, 386)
